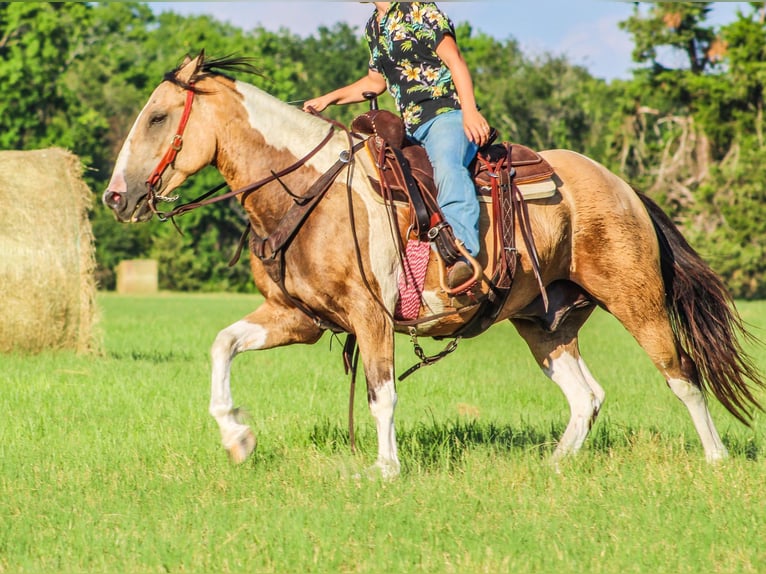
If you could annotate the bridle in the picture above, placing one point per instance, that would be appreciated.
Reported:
(176, 143)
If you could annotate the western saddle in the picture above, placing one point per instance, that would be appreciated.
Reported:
(505, 174)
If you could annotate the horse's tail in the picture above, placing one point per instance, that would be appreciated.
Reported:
(705, 321)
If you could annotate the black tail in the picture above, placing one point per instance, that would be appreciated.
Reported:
(705, 320)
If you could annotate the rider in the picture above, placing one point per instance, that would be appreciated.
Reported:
(415, 55)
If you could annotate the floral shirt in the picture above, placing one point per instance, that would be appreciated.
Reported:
(403, 49)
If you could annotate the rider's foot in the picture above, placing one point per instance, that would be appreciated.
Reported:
(459, 274)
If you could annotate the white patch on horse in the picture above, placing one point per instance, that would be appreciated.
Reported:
(382, 409)
(234, 339)
(118, 181)
(435, 305)
(382, 247)
(270, 116)
(565, 370)
(695, 403)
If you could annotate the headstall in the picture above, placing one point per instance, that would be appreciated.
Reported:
(176, 143)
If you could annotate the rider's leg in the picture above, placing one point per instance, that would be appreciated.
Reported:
(450, 152)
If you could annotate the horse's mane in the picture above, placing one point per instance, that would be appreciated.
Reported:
(222, 66)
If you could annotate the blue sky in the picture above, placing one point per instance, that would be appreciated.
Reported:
(586, 31)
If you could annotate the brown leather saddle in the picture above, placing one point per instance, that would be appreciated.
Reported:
(387, 129)
(500, 172)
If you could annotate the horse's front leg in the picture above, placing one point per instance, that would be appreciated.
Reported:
(271, 325)
(376, 345)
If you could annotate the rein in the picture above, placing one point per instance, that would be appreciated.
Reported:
(270, 249)
(205, 198)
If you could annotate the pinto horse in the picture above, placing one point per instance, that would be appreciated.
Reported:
(599, 243)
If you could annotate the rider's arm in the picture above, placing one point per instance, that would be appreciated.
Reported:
(351, 94)
(475, 126)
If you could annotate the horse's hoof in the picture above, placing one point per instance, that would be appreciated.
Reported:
(389, 472)
(717, 456)
(385, 471)
(243, 447)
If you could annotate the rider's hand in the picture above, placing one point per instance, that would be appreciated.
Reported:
(316, 104)
(475, 126)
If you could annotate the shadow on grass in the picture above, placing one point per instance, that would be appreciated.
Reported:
(748, 447)
(153, 356)
(444, 444)
(441, 444)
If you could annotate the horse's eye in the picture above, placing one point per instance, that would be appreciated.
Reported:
(157, 119)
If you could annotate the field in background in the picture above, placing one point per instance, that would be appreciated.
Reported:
(112, 464)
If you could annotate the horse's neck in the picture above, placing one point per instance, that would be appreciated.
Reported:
(285, 131)
(274, 136)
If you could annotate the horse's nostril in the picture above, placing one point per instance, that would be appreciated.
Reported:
(112, 198)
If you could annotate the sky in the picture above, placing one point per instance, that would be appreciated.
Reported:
(585, 31)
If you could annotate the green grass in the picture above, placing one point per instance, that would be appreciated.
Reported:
(112, 464)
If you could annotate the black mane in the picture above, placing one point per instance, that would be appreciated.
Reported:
(214, 66)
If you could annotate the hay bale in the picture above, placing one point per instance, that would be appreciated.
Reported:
(47, 286)
(137, 276)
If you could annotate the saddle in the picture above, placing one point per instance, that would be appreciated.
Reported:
(504, 175)
(532, 174)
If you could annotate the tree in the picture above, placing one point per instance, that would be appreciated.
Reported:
(697, 131)
(678, 26)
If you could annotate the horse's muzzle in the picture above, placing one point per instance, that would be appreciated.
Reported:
(124, 208)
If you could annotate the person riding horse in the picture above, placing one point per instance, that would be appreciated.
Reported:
(414, 53)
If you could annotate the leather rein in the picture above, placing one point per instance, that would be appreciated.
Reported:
(270, 249)
(176, 143)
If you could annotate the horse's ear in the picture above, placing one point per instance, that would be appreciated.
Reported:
(190, 67)
(200, 60)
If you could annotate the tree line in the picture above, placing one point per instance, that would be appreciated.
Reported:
(691, 134)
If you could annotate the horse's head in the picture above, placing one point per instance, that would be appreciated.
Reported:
(151, 164)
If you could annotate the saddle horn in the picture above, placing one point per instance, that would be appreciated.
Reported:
(371, 97)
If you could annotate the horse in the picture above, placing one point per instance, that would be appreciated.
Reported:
(600, 243)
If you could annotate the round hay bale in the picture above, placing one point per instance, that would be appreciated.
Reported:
(47, 286)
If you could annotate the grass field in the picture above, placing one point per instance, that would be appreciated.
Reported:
(112, 464)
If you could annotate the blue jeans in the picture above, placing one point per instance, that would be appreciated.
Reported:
(450, 152)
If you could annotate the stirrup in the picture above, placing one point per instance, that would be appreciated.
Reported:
(475, 278)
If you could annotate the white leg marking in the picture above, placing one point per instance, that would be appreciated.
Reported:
(694, 400)
(584, 401)
(241, 336)
(592, 382)
(382, 409)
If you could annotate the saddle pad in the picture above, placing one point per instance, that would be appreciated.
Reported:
(535, 190)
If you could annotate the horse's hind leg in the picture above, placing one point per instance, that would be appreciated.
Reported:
(695, 402)
(269, 326)
(656, 337)
(558, 355)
